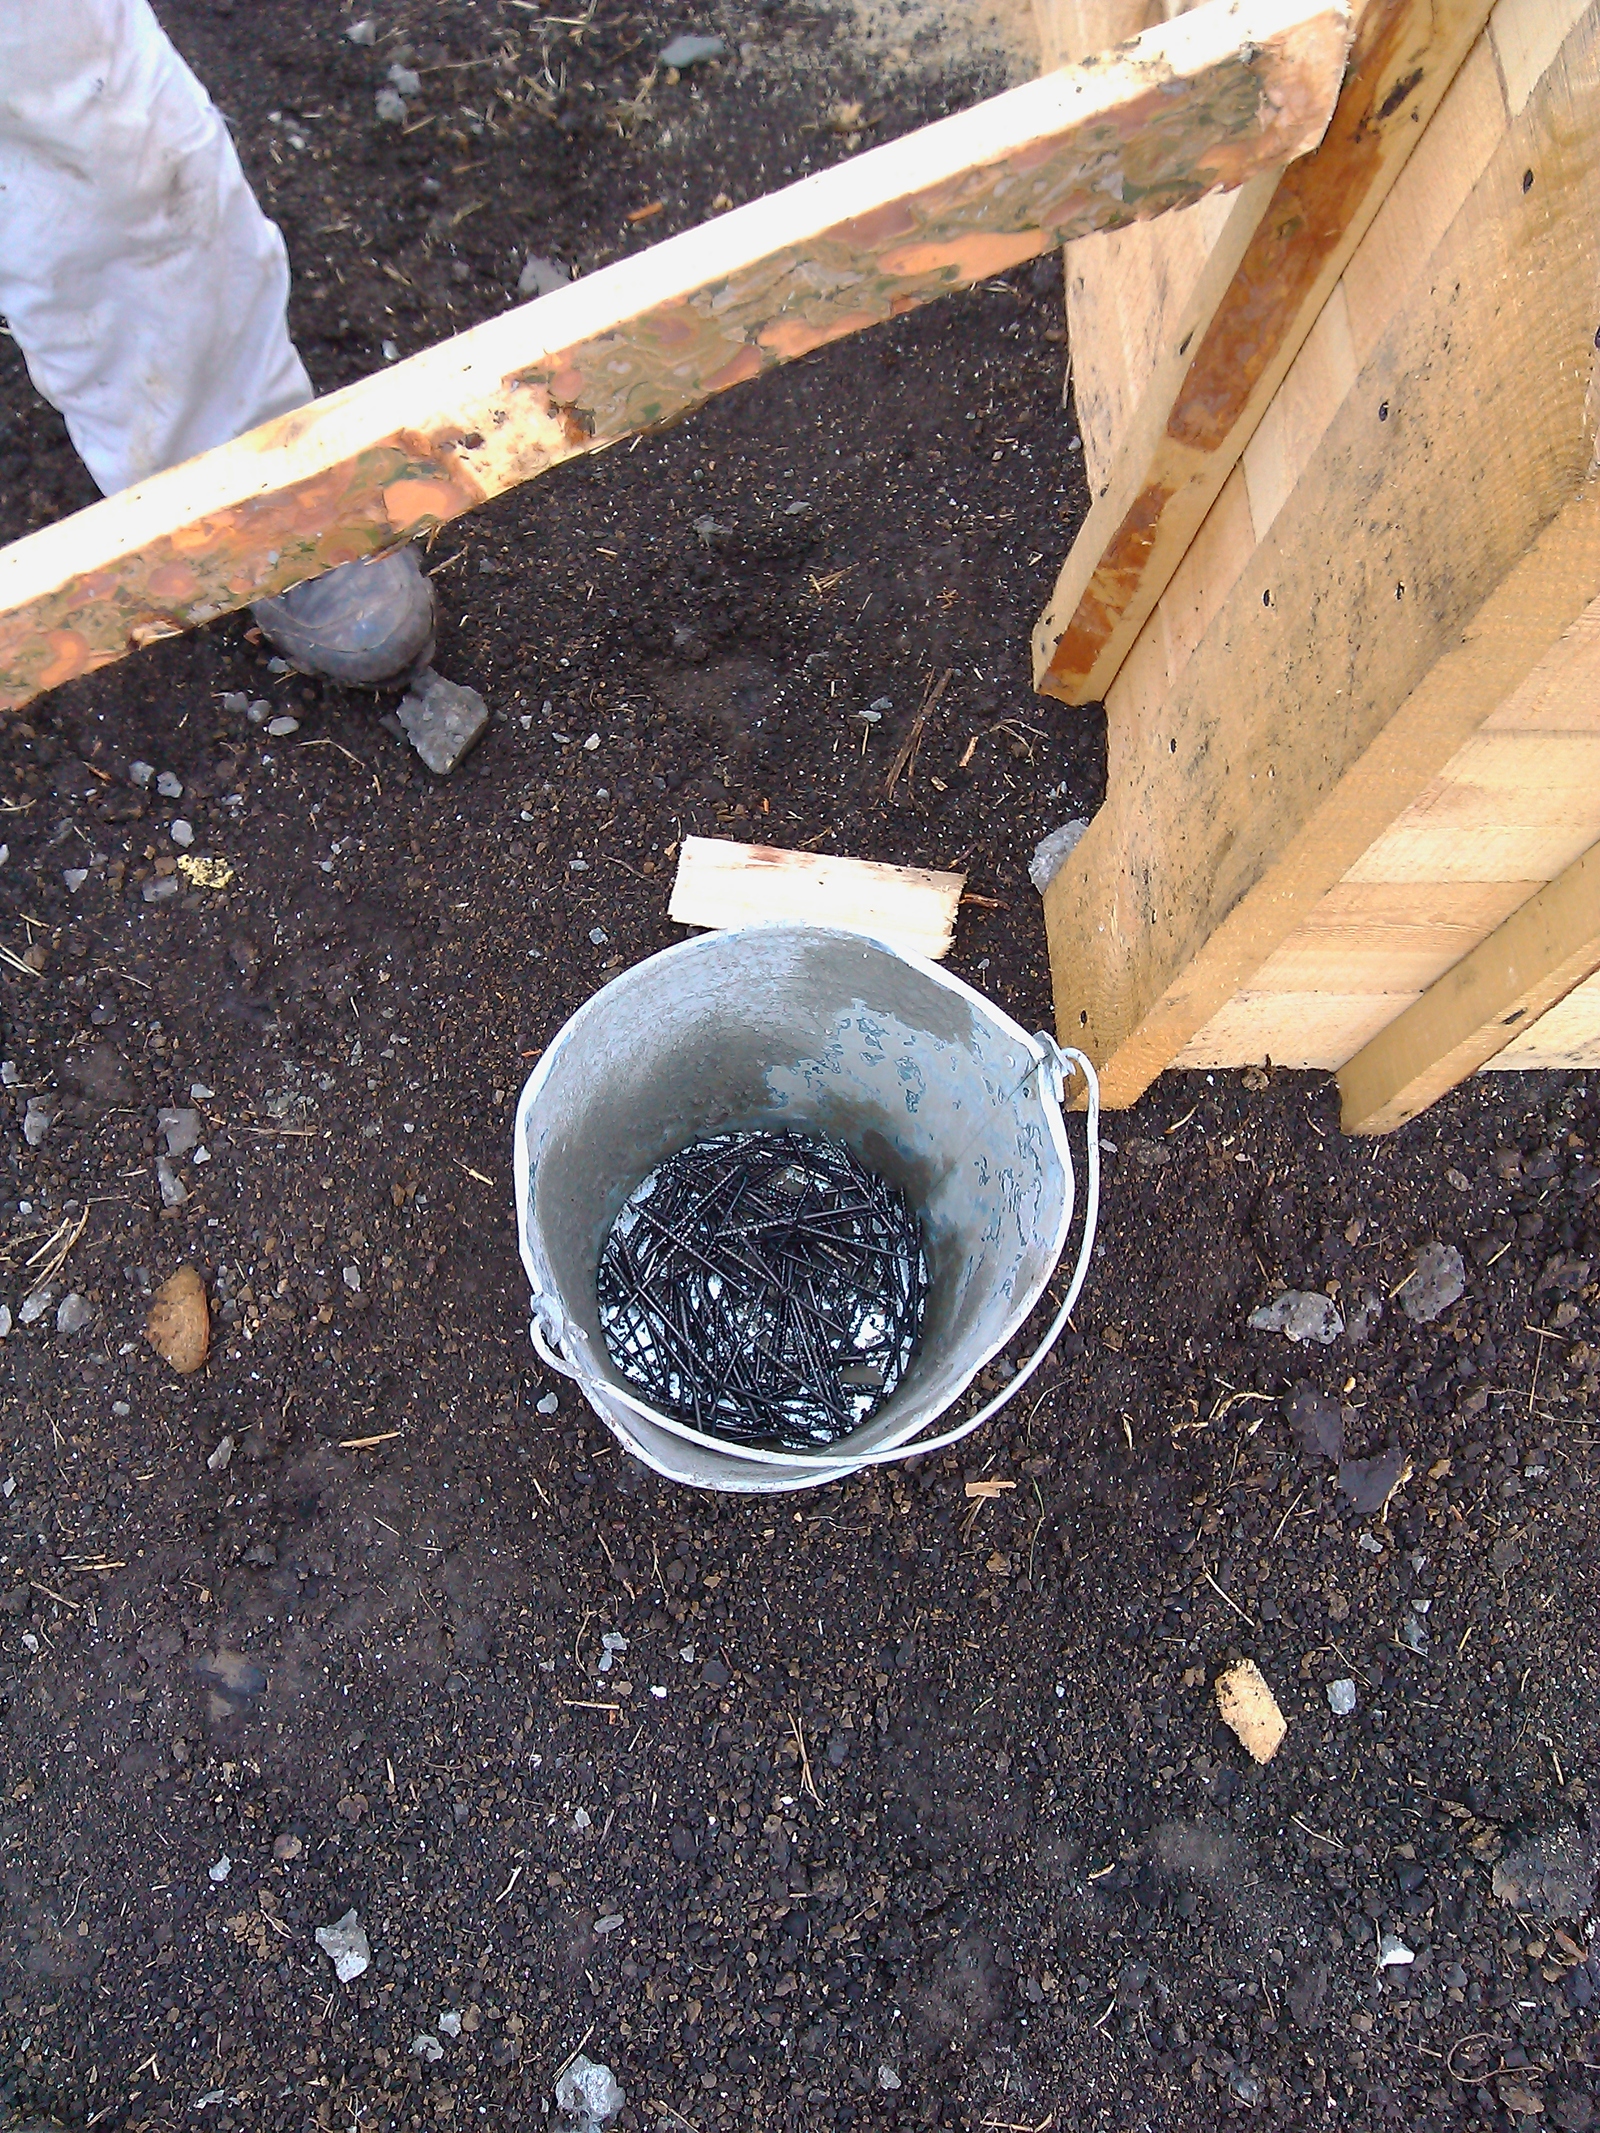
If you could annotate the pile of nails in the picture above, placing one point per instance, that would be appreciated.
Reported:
(764, 1287)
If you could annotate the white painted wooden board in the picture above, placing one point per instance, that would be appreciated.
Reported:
(722, 885)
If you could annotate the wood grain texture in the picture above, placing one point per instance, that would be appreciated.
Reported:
(1411, 583)
(722, 884)
(1566, 1035)
(1546, 948)
(1128, 294)
(1074, 30)
(1430, 192)
(1128, 291)
(1515, 805)
(1291, 1029)
(1371, 940)
(1097, 970)
(1526, 38)
(1134, 297)
(1445, 165)
(1209, 394)
(1202, 103)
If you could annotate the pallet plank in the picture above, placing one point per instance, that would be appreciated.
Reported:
(1542, 952)
(1513, 808)
(1213, 386)
(1199, 104)
(1128, 291)
(1566, 1035)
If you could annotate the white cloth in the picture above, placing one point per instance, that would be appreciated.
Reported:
(142, 282)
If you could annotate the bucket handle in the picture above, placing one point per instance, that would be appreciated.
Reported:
(1062, 1063)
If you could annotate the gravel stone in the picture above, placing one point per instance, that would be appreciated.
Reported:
(345, 1945)
(588, 2096)
(687, 51)
(74, 1313)
(40, 1115)
(1052, 852)
(541, 277)
(1439, 1279)
(180, 1130)
(1300, 1315)
(442, 720)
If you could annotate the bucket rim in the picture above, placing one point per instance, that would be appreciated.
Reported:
(802, 1469)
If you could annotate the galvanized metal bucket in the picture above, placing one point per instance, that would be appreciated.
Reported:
(780, 1026)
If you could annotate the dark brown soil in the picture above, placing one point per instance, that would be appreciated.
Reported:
(913, 1807)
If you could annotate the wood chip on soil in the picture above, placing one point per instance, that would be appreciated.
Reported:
(179, 1324)
(1249, 1709)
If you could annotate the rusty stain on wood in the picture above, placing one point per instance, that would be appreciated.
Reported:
(1121, 568)
(1196, 105)
(1317, 202)
(1404, 56)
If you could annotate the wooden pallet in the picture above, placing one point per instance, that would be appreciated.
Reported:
(1354, 737)
(1211, 101)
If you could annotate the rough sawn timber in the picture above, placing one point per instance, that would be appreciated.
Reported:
(722, 885)
(1540, 954)
(1197, 105)
(1311, 682)
(1127, 290)
(1237, 338)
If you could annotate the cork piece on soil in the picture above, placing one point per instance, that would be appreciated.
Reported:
(179, 1324)
(1249, 1709)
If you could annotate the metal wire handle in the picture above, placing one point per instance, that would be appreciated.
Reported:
(1063, 1063)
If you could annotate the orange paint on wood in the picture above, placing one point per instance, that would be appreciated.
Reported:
(69, 650)
(645, 341)
(864, 233)
(971, 259)
(789, 338)
(175, 582)
(738, 370)
(413, 503)
(673, 326)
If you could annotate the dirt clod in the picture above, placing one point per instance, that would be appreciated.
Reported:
(179, 1323)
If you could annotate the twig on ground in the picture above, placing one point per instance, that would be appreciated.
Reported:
(1221, 1595)
(53, 1254)
(806, 1779)
(578, 2047)
(905, 762)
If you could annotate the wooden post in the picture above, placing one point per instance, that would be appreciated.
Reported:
(1202, 103)
(1237, 338)
(1542, 952)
